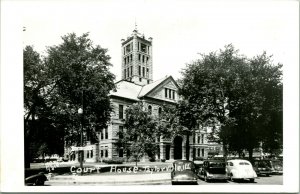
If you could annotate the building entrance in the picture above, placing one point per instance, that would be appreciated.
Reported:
(177, 147)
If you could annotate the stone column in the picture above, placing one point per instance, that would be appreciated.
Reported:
(172, 152)
(183, 152)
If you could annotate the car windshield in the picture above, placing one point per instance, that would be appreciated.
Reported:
(264, 164)
(244, 163)
(217, 164)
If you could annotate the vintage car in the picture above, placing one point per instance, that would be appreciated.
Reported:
(37, 179)
(238, 169)
(213, 170)
(263, 167)
(278, 166)
(183, 172)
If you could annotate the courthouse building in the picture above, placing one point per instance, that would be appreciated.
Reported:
(137, 85)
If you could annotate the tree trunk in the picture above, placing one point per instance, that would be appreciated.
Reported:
(250, 150)
(225, 153)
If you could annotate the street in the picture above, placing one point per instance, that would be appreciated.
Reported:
(271, 180)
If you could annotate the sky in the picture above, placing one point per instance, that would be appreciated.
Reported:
(181, 29)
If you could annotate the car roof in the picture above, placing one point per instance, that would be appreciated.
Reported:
(237, 160)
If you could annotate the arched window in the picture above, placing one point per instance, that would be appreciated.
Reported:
(150, 109)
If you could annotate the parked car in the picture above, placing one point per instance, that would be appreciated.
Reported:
(263, 167)
(213, 170)
(184, 171)
(37, 179)
(278, 166)
(240, 169)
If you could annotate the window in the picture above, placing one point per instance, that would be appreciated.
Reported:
(140, 79)
(202, 152)
(198, 152)
(202, 138)
(143, 71)
(88, 154)
(121, 132)
(139, 70)
(148, 49)
(148, 81)
(128, 47)
(101, 153)
(147, 73)
(102, 132)
(143, 48)
(138, 45)
(159, 111)
(130, 70)
(125, 61)
(106, 133)
(150, 109)
(198, 139)
(131, 58)
(125, 73)
(121, 152)
(147, 59)
(170, 92)
(106, 152)
(139, 57)
(173, 94)
(143, 59)
(121, 111)
(166, 92)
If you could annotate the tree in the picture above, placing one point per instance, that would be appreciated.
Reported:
(80, 73)
(140, 135)
(226, 90)
(73, 74)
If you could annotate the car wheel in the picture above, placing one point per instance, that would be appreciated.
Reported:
(251, 180)
(205, 178)
(39, 182)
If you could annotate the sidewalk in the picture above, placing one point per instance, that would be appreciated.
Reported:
(109, 179)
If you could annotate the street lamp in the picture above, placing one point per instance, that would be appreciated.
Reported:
(80, 112)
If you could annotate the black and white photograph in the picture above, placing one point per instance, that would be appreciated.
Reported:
(168, 96)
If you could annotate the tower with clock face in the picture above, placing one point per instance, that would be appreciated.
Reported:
(137, 59)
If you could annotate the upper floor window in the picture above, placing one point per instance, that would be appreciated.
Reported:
(150, 109)
(139, 70)
(106, 133)
(128, 48)
(143, 48)
(169, 93)
(121, 130)
(159, 111)
(121, 116)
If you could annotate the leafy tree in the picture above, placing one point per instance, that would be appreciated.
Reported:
(80, 73)
(228, 91)
(73, 74)
(140, 135)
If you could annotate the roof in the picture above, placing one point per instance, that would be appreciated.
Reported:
(149, 87)
(130, 90)
(126, 89)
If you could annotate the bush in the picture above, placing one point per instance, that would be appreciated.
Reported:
(163, 160)
(152, 159)
(114, 161)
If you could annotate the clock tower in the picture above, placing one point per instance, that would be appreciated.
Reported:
(137, 59)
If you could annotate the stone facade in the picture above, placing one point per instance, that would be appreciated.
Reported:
(137, 86)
